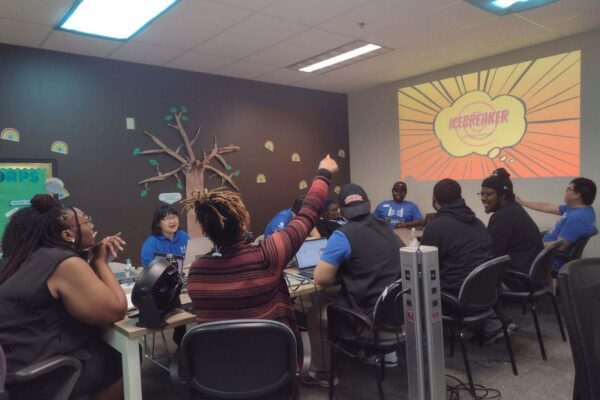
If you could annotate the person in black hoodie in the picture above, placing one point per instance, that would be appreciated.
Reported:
(462, 240)
(512, 229)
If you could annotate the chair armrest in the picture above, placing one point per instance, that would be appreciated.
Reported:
(307, 354)
(519, 275)
(43, 367)
(450, 303)
(354, 315)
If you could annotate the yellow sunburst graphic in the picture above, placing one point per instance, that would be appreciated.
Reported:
(524, 117)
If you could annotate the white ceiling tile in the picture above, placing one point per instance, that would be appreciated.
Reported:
(319, 82)
(199, 62)
(432, 26)
(245, 70)
(145, 53)
(80, 44)
(556, 11)
(582, 23)
(249, 36)
(311, 12)
(380, 14)
(300, 47)
(22, 33)
(255, 5)
(283, 76)
(190, 23)
(45, 12)
(372, 65)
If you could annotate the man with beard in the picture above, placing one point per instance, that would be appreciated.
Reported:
(512, 229)
(398, 212)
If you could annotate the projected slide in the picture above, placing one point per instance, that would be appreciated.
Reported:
(523, 117)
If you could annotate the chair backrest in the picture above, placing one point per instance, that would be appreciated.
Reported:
(241, 359)
(543, 264)
(388, 313)
(579, 283)
(479, 290)
(578, 247)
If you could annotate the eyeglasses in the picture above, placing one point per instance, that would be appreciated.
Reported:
(170, 218)
(486, 194)
(86, 220)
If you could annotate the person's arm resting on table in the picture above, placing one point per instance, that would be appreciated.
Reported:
(336, 253)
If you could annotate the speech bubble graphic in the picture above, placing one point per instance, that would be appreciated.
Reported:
(476, 123)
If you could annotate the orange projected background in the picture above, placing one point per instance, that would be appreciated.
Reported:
(523, 117)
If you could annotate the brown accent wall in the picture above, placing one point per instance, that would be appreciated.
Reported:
(84, 101)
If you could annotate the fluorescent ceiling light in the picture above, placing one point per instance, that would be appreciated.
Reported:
(504, 7)
(506, 3)
(113, 19)
(342, 57)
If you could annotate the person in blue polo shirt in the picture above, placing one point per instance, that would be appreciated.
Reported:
(166, 236)
(398, 212)
(578, 219)
(283, 217)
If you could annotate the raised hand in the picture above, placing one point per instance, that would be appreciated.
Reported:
(329, 164)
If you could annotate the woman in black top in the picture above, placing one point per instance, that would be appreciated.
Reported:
(52, 299)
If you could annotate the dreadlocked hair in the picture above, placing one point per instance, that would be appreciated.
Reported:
(31, 228)
(221, 213)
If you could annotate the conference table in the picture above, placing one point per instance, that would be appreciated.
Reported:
(124, 336)
(404, 234)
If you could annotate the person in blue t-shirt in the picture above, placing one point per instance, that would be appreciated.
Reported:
(398, 212)
(283, 217)
(578, 219)
(166, 236)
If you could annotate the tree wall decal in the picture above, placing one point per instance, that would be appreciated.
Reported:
(190, 165)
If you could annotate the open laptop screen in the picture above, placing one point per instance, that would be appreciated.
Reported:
(178, 260)
(310, 252)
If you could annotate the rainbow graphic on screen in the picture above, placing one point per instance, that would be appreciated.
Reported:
(523, 117)
(10, 134)
(59, 147)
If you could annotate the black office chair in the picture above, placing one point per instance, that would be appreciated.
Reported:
(3, 392)
(576, 250)
(27, 375)
(241, 359)
(580, 284)
(536, 284)
(476, 302)
(353, 332)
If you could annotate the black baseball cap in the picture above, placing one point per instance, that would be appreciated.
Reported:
(353, 201)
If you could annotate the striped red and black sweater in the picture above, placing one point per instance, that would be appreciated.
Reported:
(247, 281)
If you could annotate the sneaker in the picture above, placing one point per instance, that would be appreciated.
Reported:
(319, 378)
(499, 334)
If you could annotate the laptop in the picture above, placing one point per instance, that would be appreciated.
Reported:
(309, 255)
(196, 247)
(173, 259)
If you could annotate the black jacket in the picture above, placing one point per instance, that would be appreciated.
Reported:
(462, 240)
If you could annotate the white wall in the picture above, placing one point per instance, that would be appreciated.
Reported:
(374, 135)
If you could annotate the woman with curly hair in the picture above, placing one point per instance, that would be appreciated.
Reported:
(52, 299)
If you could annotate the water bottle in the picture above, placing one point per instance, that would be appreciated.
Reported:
(127, 269)
(414, 242)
